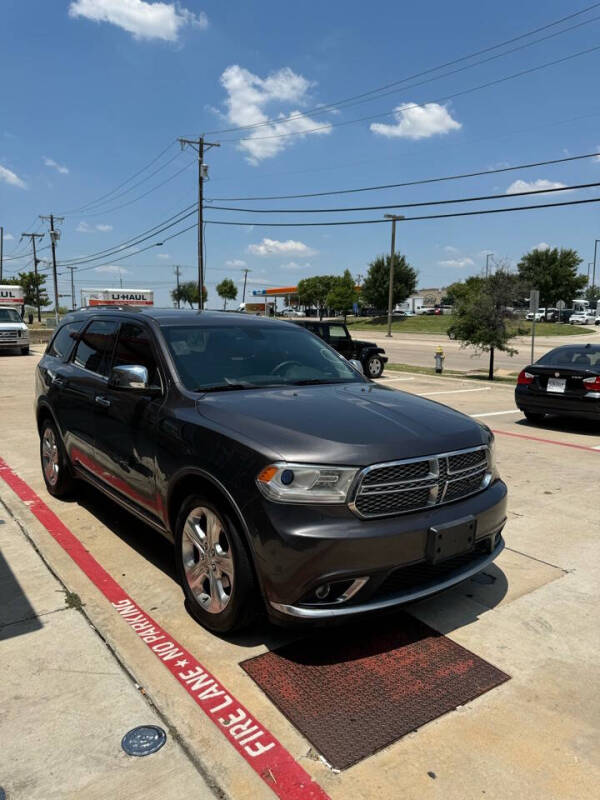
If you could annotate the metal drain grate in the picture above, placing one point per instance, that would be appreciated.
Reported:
(353, 691)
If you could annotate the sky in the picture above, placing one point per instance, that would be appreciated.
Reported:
(95, 91)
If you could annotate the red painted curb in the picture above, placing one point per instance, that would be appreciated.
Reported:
(267, 757)
(547, 441)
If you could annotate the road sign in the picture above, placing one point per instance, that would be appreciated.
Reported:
(534, 300)
(561, 305)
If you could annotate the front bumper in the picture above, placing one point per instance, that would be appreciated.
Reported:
(298, 548)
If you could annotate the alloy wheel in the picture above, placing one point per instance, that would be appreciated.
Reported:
(50, 459)
(207, 559)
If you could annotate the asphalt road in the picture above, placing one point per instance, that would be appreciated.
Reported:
(418, 349)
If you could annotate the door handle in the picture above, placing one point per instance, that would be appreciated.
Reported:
(102, 401)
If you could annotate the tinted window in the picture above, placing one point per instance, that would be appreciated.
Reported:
(251, 356)
(95, 347)
(63, 341)
(134, 346)
(572, 357)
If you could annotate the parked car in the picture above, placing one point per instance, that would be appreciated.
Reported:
(14, 333)
(597, 320)
(292, 312)
(284, 478)
(583, 318)
(565, 381)
(539, 315)
(337, 335)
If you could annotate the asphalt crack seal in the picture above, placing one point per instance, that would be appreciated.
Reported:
(265, 754)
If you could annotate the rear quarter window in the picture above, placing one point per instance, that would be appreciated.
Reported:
(63, 341)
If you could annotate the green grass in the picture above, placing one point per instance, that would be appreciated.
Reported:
(451, 373)
(436, 325)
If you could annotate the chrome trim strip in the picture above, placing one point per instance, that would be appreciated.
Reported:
(398, 599)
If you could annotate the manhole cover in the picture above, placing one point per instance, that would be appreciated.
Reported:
(143, 740)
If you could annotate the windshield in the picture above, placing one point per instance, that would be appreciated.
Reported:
(249, 356)
(584, 357)
(9, 315)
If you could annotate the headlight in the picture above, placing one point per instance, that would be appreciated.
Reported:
(493, 469)
(305, 483)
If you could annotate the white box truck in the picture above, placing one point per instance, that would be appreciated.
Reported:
(14, 334)
(117, 297)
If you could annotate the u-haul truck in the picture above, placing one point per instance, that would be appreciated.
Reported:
(117, 297)
(14, 334)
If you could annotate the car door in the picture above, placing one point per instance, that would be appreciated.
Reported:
(78, 383)
(339, 338)
(125, 436)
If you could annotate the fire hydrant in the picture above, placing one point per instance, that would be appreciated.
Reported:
(439, 359)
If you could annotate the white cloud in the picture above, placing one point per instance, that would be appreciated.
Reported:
(457, 263)
(8, 237)
(163, 256)
(112, 268)
(294, 265)
(85, 227)
(542, 246)
(418, 122)
(8, 176)
(247, 96)
(452, 250)
(598, 156)
(269, 247)
(50, 162)
(235, 262)
(532, 186)
(144, 20)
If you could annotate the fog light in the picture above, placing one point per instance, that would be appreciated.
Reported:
(322, 592)
(287, 477)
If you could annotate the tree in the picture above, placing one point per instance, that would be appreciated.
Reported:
(480, 317)
(554, 273)
(376, 285)
(342, 295)
(227, 290)
(29, 283)
(187, 292)
(313, 291)
(592, 293)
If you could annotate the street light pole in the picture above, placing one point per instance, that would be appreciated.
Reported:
(394, 218)
(594, 268)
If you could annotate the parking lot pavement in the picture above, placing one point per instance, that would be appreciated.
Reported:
(533, 615)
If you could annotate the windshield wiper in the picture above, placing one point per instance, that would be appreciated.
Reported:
(229, 387)
(317, 381)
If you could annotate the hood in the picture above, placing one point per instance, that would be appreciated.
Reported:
(13, 326)
(355, 424)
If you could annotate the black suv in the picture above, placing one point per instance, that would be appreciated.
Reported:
(282, 475)
(337, 335)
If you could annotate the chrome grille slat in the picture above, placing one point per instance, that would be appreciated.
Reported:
(401, 487)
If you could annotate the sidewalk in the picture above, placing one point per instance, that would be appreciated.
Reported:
(66, 702)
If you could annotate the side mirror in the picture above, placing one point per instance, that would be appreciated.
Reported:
(130, 376)
(357, 365)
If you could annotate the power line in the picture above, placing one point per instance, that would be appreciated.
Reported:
(406, 205)
(338, 104)
(408, 106)
(252, 224)
(123, 183)
(406, 183)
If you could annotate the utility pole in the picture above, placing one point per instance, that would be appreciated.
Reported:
(199, 145)
(72, 287)
(394, 218)
(54, 236)
(594, 268)
(1, 250)
(487, 264)
(245, 271)
(36, 261)
(177, 271)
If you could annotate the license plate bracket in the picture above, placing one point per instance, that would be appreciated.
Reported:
(452, 539)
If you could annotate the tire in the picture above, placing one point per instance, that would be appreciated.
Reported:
(373, 367)
(25, 351)
(533, 417)
(214, 569)
(56, 469)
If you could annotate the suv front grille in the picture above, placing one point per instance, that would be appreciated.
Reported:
(404, 486)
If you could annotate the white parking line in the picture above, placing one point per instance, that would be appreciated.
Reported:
(394, 380)
(496, 413)
(455, 391)
(596, 447)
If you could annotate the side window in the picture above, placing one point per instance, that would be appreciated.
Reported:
(134, 346)
(95, 347)
(316, 329)
(63, 342)
(337, 332)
